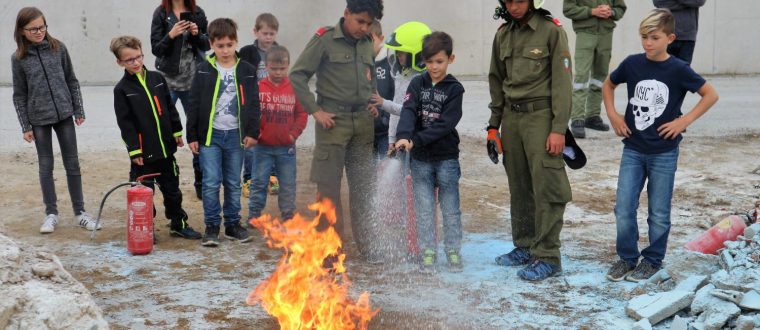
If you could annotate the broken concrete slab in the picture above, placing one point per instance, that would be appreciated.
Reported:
(716, 315)
(684, 263)
(728, 295)
(658, 306)
(660, 276)
(642, 324)
(727, 260)
(750, 300)
(702, 299)
(679, 323)
(740, 279)
(692, 283)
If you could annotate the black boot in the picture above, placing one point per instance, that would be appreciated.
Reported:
(596, 123)
(577, 128)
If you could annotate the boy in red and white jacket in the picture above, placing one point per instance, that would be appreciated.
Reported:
(282, 122)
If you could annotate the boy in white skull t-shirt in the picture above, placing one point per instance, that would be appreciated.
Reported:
(657, 84)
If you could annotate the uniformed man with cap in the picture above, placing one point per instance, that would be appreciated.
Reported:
(342, 58)
(530, 81)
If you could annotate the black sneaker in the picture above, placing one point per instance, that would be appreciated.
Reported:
(642, 272)
(539, 271)
(180, 228)
(237, 232)
(211, 237)
(517, 257)
(187, 232)
(619, 270)
(577, 127)
(596, 123)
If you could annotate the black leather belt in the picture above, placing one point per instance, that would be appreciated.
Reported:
(531, 106)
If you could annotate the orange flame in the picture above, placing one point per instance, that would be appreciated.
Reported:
(301, 293)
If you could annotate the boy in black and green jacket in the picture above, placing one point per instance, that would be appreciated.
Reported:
(151, 128)
(223, 117)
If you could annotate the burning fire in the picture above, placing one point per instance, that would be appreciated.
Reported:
(301, 293)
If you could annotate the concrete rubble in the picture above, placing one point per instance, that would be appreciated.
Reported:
(717, 291)
(38, 293)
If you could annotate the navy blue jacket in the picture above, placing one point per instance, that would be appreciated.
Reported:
(430, 116)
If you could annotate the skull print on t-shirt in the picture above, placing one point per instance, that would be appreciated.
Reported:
(649, 101)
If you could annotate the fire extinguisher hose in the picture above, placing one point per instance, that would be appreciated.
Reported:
(139, 180)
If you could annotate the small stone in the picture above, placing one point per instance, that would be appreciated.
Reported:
(745, 323)
(46, 269)
(679, 323)
(752, 230)
(642, 324)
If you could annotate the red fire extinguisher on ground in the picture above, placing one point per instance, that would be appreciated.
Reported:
(139, 219)
(139, 215)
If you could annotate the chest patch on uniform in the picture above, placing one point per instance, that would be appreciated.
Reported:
(321, 31)
(536, 51)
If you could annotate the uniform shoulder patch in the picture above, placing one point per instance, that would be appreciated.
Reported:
(321, 31)
(556, 21)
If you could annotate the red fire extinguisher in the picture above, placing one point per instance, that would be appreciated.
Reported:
(139, 219)
(139, 215)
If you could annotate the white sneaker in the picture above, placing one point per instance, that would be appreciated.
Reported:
(48, 226)
(86, 221)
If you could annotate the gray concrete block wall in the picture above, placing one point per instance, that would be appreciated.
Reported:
(86, 26)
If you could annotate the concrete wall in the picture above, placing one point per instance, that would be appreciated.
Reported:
(86, 26)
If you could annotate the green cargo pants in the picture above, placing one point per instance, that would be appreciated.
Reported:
(592, 62)
(349, 143)
(538, 184)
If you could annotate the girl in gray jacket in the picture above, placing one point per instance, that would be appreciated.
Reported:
(46, 96)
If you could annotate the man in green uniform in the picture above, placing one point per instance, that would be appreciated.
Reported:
(343, 59)
(593, 22)
(530, 83)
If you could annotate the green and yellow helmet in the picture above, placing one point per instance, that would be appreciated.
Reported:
(537, 4)
(408, 38)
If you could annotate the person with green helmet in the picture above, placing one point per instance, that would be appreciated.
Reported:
(530, 81)
(407, 63)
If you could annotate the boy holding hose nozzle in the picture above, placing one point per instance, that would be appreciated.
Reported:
(427, 129)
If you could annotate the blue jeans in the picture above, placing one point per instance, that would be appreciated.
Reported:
(283, 160)
(248, 162)
(658, 171)
(425, 177)
(221, 163)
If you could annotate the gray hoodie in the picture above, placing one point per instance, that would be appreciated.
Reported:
(401, 81)
(45, 89)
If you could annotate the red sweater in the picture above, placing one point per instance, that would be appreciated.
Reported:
(282, 115)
